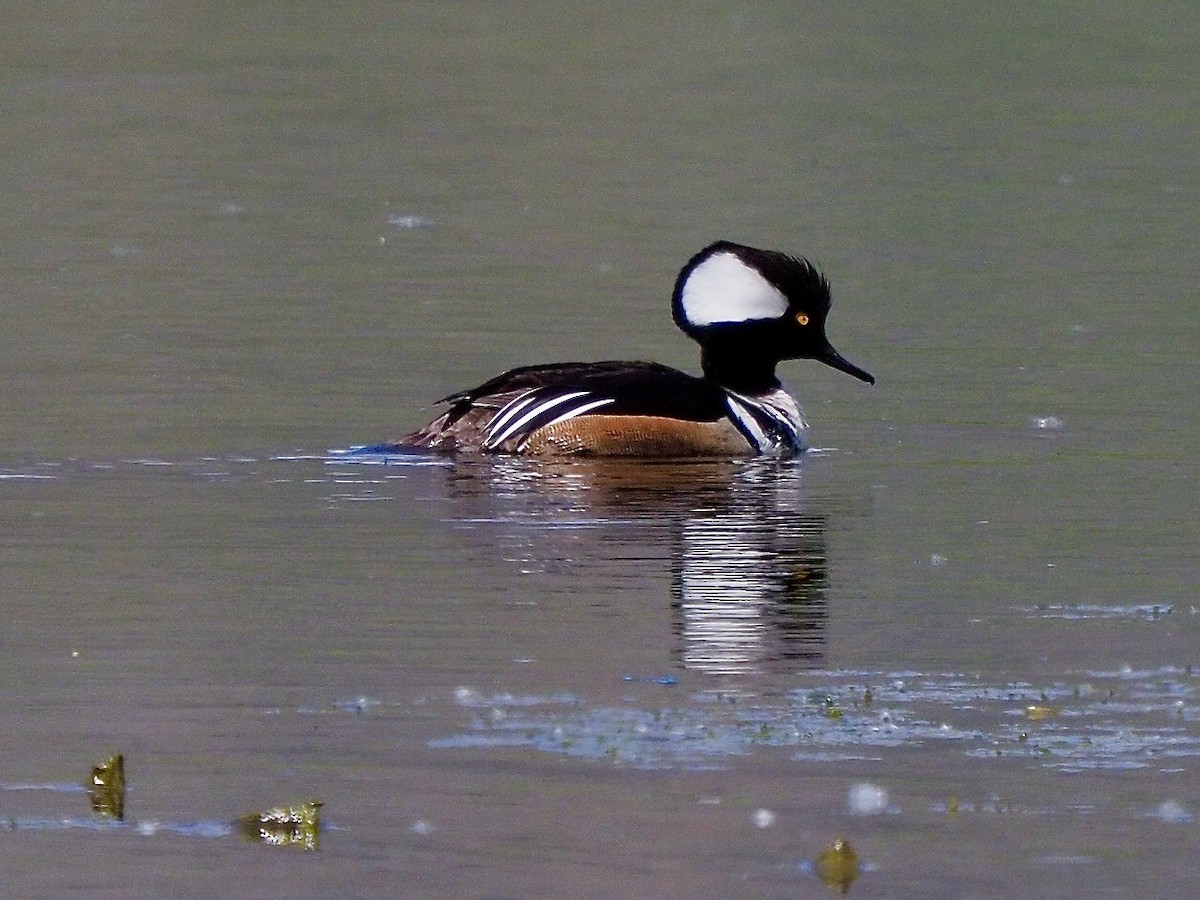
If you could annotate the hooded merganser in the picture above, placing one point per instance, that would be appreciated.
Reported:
(748, 309)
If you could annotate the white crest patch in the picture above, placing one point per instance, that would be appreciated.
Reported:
(724, 289)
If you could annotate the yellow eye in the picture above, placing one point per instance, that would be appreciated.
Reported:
(802, 318)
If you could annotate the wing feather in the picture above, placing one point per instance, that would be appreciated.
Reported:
(502, 414)
(530, 412)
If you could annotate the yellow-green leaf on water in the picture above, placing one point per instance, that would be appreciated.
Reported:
(106, 788)
(284, 826)
(1038, 712)
(837, 865)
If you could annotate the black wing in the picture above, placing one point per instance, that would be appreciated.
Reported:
(542, 395)
(636, 388)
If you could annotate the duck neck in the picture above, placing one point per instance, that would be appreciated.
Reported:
(738, 363)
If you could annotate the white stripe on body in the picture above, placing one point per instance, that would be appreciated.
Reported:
(497, 431)
(781, 409)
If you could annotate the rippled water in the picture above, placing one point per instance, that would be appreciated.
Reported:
(960, 636)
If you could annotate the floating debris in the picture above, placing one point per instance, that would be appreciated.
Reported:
(106, 789)
(1039, 712)
(1110, 720)
(284, 826)
(837, 865)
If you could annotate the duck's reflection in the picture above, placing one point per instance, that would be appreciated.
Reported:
(745, 549)
(748, 591)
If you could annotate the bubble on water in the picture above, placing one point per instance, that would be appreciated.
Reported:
(866, 799)
(466, 696)
(357, 704)
(409, 221)
(421, 827)
(1172, 812)
(763, 818)
(1046, 423)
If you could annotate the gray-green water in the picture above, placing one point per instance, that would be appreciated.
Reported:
(233, 238)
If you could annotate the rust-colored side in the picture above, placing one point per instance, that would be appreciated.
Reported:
(590, 435)
(595, 435)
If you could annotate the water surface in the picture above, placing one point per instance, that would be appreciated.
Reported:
(961, 636)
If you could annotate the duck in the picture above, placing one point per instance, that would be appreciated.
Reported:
(748, 309)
